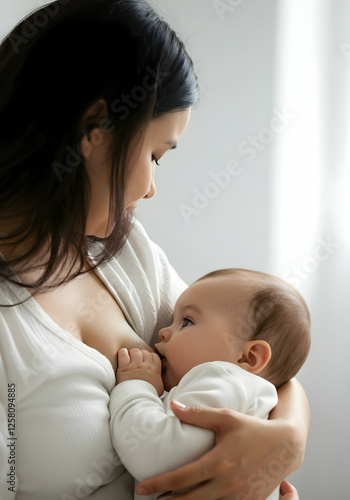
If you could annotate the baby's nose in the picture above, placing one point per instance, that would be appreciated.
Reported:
(164, 334)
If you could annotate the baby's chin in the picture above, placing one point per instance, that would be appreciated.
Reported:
(166, 382)
(167, 385)
(169, 380)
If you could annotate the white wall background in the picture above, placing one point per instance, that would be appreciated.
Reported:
(287, 208)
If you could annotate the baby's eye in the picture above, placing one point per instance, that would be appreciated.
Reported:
(186, 322)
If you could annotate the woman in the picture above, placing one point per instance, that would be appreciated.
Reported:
(92, 95)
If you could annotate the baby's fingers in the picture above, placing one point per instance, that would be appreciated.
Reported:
(123, 358)
(136, 356)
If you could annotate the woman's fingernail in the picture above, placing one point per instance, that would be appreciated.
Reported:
(178, 404)
(141, 491)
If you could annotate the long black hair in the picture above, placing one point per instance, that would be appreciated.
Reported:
(57, 62)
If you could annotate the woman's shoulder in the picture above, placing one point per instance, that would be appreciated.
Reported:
(11, 292)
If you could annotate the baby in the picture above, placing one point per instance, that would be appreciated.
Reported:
(235, 337)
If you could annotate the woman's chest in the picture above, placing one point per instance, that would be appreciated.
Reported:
(63, 426)
(86, 309)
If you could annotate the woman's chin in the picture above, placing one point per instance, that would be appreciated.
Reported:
(131, 208)
(99, 231)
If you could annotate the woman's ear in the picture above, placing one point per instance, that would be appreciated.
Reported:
(255, 356)
(95, 114)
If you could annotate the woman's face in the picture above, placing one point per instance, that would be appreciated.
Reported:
(161, 134)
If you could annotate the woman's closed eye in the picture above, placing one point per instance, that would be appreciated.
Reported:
(186, 322)
(154, 159)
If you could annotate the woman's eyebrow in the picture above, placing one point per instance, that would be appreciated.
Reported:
(172, 143)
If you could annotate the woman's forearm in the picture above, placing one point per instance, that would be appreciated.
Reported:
(293, 408)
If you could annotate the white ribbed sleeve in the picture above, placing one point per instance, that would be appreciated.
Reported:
(150, 440)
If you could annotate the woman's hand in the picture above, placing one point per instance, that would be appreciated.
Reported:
(140, 364)
(251, 457)
(288, 492)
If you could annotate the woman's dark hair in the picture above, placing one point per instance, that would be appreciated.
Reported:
(56, 63)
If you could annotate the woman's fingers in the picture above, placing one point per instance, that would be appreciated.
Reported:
(201, 475)
(203, 469)
(186, 476)
(235, 468)
(288, 492)
(203, 417)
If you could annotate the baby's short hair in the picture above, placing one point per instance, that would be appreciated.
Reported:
(278, 314)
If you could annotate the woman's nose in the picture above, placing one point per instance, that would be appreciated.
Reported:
(151, 192)
(164, 334)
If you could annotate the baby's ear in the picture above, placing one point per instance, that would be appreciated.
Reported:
(255, 356)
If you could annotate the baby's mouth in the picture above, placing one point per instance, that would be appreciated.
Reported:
(162, 358)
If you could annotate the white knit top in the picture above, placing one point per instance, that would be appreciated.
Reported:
(58, 445)
(148, 437)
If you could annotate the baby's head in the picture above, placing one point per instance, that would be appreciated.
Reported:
(252, 319)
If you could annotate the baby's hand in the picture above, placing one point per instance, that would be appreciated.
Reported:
(142, 365)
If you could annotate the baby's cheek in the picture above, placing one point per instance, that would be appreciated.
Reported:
(178, 371)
